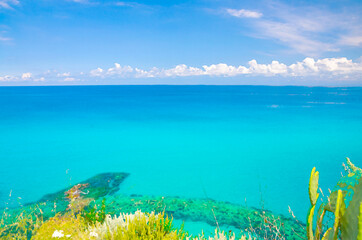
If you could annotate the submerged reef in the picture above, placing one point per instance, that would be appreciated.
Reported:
(206, 210)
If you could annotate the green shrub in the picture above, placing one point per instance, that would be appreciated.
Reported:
(94, 214)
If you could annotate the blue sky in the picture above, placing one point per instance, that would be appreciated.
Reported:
(65, 42)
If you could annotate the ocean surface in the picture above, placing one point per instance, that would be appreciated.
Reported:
(251, 145)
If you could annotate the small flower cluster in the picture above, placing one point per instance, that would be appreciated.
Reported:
(111, 224)
(59, 234)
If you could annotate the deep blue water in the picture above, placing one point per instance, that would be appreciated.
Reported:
(228, 143)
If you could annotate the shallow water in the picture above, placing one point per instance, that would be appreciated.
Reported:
(250, 145)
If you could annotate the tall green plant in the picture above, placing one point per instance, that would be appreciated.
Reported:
(345, 202)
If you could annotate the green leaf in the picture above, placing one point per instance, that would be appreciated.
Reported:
(313, 186)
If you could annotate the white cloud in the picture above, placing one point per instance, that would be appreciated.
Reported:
(96, 72)
(66, 74)
(181, 71)
(26, 76)
(306, 67)
(338, 65)
(243, 13)
(119, 70)
(275, 68)
(41, 79)
(223, 69)
(7, 4)
(8, 78)
(69, 79)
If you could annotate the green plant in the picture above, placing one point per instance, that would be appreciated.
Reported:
(93, 214)
(344, 202)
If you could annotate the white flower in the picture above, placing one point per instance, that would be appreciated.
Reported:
(68, 236)
(93, 234)
(58, 234)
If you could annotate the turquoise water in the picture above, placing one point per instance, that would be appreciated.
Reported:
(250, 145)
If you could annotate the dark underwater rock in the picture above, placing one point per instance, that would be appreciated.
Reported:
(207, 210)
(98, 186)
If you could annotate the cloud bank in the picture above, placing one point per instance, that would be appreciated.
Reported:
(329, 68)
(307, 67)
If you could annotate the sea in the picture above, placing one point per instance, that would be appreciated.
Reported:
(250, 145)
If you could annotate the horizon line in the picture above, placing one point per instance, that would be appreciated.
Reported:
(184, 85)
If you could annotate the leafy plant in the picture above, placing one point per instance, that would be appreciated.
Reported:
(95, 214)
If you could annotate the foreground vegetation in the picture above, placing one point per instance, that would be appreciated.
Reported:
(81, 212)
(343, 207)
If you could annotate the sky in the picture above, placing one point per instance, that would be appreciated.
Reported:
(218, 42)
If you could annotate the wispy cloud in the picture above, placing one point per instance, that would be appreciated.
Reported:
(96, 3)
(294, 36)
(3, 32)
(307, 30)
(354, 40)
(4, 39)
(8, 4)
(129, 4)
(79, 1)
(243, 13)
